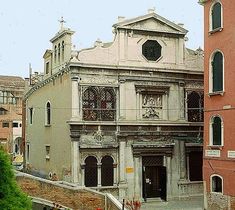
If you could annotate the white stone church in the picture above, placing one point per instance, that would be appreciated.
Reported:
(124, 117)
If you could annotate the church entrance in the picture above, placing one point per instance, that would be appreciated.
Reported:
(154, 177)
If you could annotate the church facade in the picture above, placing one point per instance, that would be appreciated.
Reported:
(123, 117)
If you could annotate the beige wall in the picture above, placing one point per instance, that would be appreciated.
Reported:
(56, 135)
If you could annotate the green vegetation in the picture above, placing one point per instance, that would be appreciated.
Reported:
(11, 196)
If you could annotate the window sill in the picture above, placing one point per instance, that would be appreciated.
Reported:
(217, 193)
(48, 125)
(215, 30)
(216, 93)
(216, 147)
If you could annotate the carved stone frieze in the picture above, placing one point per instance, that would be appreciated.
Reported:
(194, 85)
(98, 79)
(152, 106)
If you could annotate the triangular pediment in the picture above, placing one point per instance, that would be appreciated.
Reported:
(152, 22)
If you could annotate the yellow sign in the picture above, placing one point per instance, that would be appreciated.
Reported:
(129, 170)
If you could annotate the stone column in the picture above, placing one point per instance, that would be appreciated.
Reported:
(138, 105)
(165, 106)
(168, 173)
(75, 98)
(115, 177)
(82, 180)
(122, 172)
(181, 101)
(182, 160)
(137, 191)
(122, 102)
(99, 174)
(75, 160)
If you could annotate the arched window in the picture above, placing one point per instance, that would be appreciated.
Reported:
(195, 107)
(216, 184)
(217, 71)
(90, 172)
(62, 46)
(216, 128)
(59, 52)
(107, 104)
(55, 54)
(107, 171)
(216, 16)
(89, 105)
(48, 113)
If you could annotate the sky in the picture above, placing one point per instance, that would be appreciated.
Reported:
(28, 25)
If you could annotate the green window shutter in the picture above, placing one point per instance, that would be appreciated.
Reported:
(216, 16)
(217, 66)
(216, 126)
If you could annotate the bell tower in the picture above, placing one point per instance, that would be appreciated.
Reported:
(61, 47)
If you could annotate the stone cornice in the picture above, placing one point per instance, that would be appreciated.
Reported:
(137, 68)
(46, 81)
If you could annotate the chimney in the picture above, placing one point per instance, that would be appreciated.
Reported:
(121, 18)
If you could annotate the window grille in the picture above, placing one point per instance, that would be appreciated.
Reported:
(99, 104)
(152, 161)
(91, 172)
(195, 103)
(107, 171)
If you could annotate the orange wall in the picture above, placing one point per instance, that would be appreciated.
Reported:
(224, 41)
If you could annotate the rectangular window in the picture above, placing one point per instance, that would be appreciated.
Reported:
(5, 124)
(30, 116)
(48, 152)
(47, 67)
(27, 152)
(15, 125)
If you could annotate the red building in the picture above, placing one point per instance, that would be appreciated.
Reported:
(219, 127)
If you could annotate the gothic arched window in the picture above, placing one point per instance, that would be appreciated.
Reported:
(216, 131)
(48, 113)
(217, 71)
(216, 16)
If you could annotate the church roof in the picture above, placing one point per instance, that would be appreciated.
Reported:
(157, 19)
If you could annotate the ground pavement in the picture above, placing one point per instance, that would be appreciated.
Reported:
(190, 204)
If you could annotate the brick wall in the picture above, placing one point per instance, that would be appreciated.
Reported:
(72, 197)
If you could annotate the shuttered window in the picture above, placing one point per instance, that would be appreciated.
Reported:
(216, 16)
(217, 72)
(216, 131)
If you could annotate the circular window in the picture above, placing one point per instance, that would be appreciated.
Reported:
(151, 50)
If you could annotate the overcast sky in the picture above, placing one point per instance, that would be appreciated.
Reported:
(28, 25)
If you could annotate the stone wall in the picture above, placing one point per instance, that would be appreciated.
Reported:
(217, 201)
